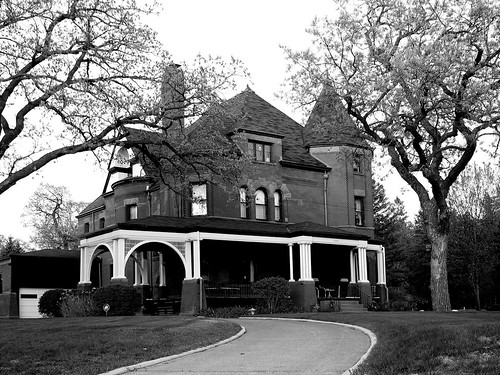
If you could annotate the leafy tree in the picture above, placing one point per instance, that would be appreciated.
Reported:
(75, 73)
(52, 214)
(10, 245)
(422, 80)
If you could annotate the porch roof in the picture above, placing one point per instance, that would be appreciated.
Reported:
(236, 226)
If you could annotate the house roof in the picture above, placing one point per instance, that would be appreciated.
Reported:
(49, 253)
(330, 124)
(234, 226)
(249, 112)
(92, 206)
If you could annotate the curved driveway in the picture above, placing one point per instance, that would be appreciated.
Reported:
(275, 347)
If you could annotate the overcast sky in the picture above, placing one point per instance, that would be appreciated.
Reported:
(251, 31)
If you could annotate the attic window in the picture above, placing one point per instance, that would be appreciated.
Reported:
(259, 151)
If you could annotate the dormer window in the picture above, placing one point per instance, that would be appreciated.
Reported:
(259, 151)
(199, 200)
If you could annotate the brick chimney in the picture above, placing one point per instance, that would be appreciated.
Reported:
(172, 95)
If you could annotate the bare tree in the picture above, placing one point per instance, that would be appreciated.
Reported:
(75, 73)
(422, 80)
(52, 214)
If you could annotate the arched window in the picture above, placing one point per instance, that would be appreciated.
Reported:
(244, 214)
(260, 205)
(277, 206)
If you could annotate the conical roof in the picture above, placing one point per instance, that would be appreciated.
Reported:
(330, 124)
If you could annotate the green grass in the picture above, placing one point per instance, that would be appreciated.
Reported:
(426, 342)
(408, 342)
(93, 345)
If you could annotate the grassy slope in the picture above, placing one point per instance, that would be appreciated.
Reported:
(92, 345)
(428, 343)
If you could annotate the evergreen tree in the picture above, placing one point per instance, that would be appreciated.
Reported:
(391, 227)
(9, 246)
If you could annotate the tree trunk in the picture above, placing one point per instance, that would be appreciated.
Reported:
(439, 273)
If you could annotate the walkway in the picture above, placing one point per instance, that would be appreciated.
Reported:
(275, 347)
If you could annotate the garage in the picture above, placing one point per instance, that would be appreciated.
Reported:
(28, 302)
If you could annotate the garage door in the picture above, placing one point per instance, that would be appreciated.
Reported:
(28, 302)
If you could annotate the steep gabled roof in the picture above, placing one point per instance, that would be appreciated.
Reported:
(330, 124)
(249, 112)
(99, 202)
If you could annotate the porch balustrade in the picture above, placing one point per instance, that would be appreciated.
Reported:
(229, 290)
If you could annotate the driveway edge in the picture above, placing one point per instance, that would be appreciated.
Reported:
(125, 369)
(370, 334)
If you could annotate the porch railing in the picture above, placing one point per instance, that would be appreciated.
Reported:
(365, 298)
(229, 290)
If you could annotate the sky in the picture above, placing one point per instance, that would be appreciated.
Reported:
(250, 31)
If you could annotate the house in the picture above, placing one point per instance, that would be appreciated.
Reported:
(303, 212)
(24, 277)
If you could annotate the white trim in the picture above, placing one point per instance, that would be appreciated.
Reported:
(192, 236)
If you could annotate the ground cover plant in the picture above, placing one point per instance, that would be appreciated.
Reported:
(427, 343)
(92, 345)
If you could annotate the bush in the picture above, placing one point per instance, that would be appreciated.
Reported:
(77, 303)
(225, 312)
(275, 291)
(50, 303)
(123, 300)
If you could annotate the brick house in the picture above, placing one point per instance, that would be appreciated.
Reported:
(304, 212)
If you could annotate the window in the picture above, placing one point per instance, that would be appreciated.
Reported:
(199, 200)
(356, 164)
(260, 205)
(259, 151)
(86, 227)
(277, 206)
(131, 213)
(101, 223)
(359, 214)
(244, 214)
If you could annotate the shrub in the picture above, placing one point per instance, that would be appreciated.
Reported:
(225, 312)
(78, 303)
(275, 291)
(123, 300)
(50, 303)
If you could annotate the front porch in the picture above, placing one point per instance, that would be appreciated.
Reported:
(200, 261)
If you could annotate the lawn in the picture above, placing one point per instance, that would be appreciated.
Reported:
(93, 345)
(426, 342)
(408, 342)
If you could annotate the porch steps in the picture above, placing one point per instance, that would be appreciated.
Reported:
(351, 306)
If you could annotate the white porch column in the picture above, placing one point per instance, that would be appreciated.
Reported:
(146, 267)
(381, 277)
(196, 258)
(162, 270)
(252, 272)
(119, 258)
(305, 261)
(362, 265)
(137, 271)
(84, 265)
(352, 262)
(290, 260)
(189, 260)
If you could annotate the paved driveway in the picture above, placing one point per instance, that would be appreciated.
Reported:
(275, 347)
